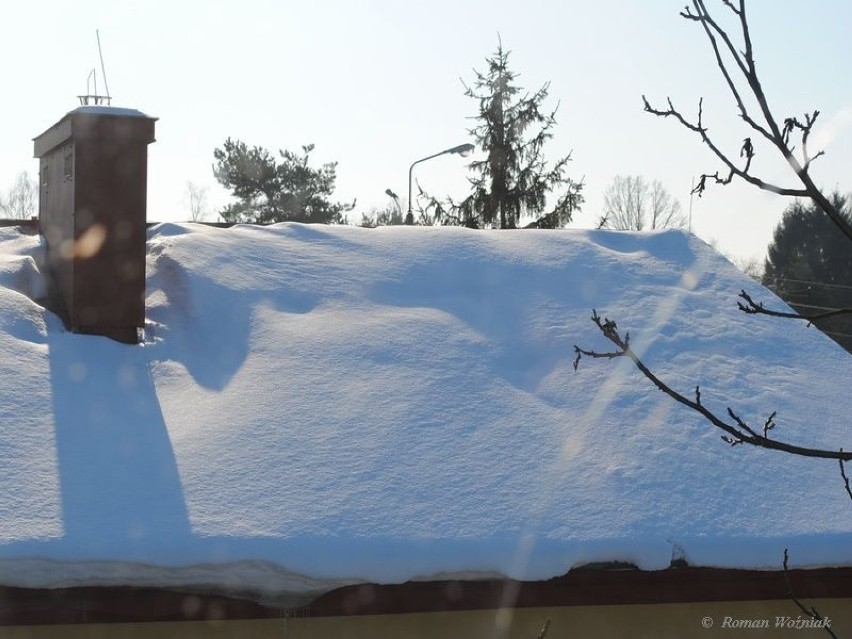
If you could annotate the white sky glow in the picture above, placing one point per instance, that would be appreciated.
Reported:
(376, 85)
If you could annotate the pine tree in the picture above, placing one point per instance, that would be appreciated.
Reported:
(513, 182)
(271, 191)
(809, 266)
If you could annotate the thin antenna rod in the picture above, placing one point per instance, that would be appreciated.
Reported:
(92, 76)
(103, 70)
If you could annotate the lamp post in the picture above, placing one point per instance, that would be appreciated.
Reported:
(462, 150)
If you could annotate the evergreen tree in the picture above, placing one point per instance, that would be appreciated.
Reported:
(271, 191)
(809, 266)
(514, 180)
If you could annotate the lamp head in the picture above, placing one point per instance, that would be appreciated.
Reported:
(462, 149)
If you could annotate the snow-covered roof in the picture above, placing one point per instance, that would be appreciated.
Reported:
(320, 405)
(101, 109)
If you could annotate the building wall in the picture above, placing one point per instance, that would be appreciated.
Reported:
(56, 213)
(109, 274)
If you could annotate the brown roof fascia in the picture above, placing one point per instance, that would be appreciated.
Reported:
(22, 606)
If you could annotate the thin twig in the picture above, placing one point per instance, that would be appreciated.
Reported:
(811, 612)
(844, 476)
(712, 29)
(757, 308)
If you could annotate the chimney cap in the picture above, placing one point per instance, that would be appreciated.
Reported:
(109, 110)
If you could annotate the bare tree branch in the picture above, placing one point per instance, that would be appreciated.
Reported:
(711, 28)
(733, 170)
(737, 433)
(810, 612)
(593, 354)
(631, 203)
(195, 196)
(756, 308)
(845, 477)
(22, 198)
(779, 137)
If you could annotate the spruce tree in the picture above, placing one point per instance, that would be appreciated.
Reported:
(809, 266)
(514, 181)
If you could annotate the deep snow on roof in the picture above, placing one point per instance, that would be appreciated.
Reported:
(319, 405)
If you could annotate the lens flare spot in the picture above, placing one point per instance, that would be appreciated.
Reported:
(66, 249)
(90, 242)
(127, 376)
(689, 280)
(77, 372)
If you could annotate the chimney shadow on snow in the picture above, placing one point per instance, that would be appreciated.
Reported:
(119, 480)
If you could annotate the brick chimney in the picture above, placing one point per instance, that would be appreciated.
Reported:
(92, 211)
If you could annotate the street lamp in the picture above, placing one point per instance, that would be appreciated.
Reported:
(462, 150)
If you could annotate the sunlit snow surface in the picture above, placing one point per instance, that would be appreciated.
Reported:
(319, 405)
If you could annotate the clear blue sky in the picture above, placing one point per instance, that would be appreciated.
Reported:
(376, 85)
